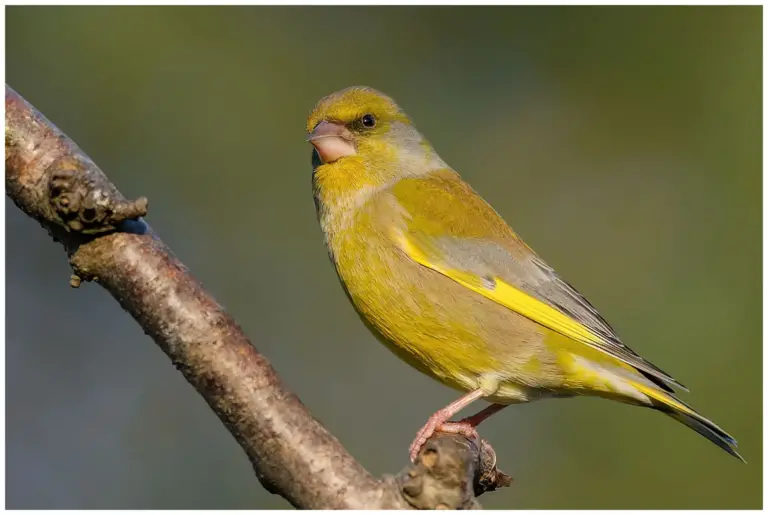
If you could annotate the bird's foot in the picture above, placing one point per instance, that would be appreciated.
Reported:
(439, 423)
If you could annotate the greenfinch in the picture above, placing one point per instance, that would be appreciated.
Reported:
(439, 277)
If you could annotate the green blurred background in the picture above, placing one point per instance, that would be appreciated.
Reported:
(623, 143)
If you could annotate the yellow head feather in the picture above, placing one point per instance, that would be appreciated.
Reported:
(348, 105)
(389, 150)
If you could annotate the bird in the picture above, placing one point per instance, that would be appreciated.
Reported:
(438, 277)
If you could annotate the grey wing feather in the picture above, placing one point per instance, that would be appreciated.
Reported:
(561, 295)
(532, 275)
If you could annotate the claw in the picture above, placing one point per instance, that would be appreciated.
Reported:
(434, 425)
(439, 422)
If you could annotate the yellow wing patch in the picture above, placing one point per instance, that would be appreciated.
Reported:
(502, 293)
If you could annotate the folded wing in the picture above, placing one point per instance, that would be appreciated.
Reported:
(489, 259)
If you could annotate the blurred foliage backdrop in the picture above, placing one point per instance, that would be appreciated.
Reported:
(623, 143)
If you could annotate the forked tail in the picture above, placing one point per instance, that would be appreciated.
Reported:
(677, 409)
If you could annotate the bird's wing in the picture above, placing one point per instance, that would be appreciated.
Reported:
(451, 230)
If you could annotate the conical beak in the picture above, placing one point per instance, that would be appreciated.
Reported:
(332, 141)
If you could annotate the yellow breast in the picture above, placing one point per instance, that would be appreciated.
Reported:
(397, 299)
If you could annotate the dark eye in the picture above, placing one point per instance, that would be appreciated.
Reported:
(368, 121)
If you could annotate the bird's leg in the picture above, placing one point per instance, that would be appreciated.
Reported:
(481, 415)
(439, 422)
(466, 426)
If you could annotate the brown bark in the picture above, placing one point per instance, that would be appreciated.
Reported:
(52, 180)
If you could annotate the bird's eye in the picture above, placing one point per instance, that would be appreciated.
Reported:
(368, 121)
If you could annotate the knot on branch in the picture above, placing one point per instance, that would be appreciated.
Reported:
(450, 473)
(489, 478)
(81, 206)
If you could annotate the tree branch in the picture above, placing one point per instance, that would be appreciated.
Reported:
(52, 180)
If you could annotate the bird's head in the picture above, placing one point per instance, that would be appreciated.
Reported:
(361, 137)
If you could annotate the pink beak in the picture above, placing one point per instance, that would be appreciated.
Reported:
(332, 141)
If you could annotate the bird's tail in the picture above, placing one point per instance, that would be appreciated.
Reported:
(677, 409)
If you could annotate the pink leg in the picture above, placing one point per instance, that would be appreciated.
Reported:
(479, 417)
(439, 422)
(466, 426)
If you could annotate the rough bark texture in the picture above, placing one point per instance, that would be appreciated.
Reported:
(52, 180)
